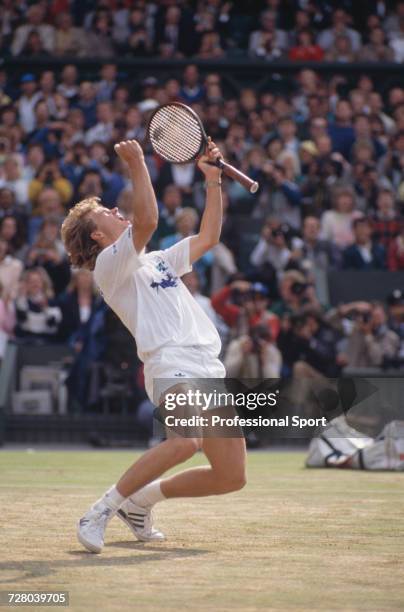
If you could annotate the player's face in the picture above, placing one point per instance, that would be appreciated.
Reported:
(109, 222)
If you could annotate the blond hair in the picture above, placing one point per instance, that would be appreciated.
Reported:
(46, 281)
(76, 234)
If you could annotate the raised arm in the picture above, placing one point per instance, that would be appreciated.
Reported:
(211, 223)
(145, 211)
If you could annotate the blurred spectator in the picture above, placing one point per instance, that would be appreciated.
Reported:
(12, 231)
(34, 47)
(27, 102)
(186, 221)
(102, 131)
(336, 225)
(371, 343)
(35, 23)
(171, 205)
(174, 28)
(253, 355)
(395, 310)
(296, 292)
(10, 270)
(242, 305)
(108, 83)
(192, 282)
(98, 38)
(305, 49)
(91, 184)
(69, 40)
(363, 253)
(8, 204)
(210, 47)
(37, 319)
(283, 196)
(68, 84)
(191, 90)
(392, 22)
(397, 41)
(302, 23)
(395, 255)
(272, 248)
(327, 38)
(7, 317)
(376, 50)
(34, 159)
(311, 252)
(77, 304)
(341, 129)
(137, 42)
(308, 345)
(268, 34)
(87, 103)
(342, 50)
(11, 176)
(386, 223)
(50, 175)
(48, 253)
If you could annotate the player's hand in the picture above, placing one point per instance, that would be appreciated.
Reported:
(129, 151)
(206, 161)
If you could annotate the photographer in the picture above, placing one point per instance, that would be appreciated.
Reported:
(370, 342)
(308, 346)
(310, 252)
(253, 355)
(49, 175)
(48, 252)
(284, 197)
(395, 313)
(272, 248)
(295, 291)
(242, 305)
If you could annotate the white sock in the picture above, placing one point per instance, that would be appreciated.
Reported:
(148, 495)
(111, 499)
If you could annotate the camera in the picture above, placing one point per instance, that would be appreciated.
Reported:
(364, 317)
(48, 179)
(298, 288)
(258, 334)
(238, 297)
(278, 232)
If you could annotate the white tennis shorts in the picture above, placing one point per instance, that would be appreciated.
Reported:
(171, 364)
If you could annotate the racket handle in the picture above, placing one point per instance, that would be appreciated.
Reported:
(236, 175)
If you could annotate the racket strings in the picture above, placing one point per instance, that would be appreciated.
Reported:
(175, 134)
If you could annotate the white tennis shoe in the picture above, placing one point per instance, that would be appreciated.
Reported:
(140, 521)
(91, 528)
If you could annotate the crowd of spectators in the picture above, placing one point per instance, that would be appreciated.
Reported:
(298, 30)
(329, 157)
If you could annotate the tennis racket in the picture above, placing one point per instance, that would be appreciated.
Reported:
(178, 136)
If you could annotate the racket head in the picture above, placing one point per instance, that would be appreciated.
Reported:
(176, 133)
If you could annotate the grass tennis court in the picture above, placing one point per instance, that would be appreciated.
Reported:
(290, 535)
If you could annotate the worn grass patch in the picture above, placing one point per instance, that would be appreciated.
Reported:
(293, 539)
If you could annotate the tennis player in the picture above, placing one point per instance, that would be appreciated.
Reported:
(174, 337)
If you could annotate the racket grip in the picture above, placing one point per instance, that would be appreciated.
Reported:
(236, 175)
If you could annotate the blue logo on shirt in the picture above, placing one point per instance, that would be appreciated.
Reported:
(168, 280)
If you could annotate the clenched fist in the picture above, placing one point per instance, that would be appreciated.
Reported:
(129, 151)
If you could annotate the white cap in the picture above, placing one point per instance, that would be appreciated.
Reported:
(147, 105)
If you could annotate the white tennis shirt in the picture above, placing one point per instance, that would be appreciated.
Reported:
(146, 293)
